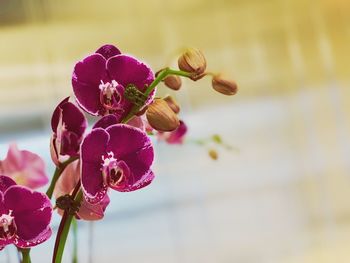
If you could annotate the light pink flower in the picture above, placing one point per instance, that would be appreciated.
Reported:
(65, 185)
(24, 167)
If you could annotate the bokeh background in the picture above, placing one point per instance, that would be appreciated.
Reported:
(281, 195)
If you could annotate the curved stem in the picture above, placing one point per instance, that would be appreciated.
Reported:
(64, 226)
(58, 171)
(25, 256)
(161, 76)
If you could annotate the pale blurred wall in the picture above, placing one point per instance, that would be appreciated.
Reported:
(270, 47)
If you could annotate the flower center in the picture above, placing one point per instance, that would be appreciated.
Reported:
(7, 226)
(110, 96)
(112, 170)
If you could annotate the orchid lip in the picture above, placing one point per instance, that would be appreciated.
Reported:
(110, 97)
(112, 170)
(7, 226)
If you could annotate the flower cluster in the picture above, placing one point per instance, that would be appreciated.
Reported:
(119, 91)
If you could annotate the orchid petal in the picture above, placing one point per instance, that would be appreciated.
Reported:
(92, 150)
(25, 167)
(32, 212)
(108, 51)
(87, 77)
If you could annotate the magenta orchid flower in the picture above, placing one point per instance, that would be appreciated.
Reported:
(65, 185)
(68, 124)
(24, 167)
(118, 157)
(25, 215)
(99, 81)
(174, 137)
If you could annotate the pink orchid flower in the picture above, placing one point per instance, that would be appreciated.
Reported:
(24, 167)
(25, 215)
(174, 137)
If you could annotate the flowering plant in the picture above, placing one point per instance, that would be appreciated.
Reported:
(117, 153)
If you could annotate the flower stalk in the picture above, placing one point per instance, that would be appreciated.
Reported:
(64, 227)
(75, 240)
(26, 255)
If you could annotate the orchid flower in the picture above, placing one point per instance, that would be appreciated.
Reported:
(24, 167)
(68, 124)
(100, 80)
(25, 215)
(118, 157)
(174, 137)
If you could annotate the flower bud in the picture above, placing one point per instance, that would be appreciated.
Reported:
(193, 61)
(173, 82)
(172, 104)
(224, 86)
(213, 154)
(161, 117)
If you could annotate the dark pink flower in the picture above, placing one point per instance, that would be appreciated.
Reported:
(174, 137)
(65, 185)
(25, 167)
(68, 124)
(118, 157)
(99, 81)
(25, 215)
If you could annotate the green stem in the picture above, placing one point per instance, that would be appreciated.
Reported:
(63, 229)
(161, 76)
(25, 256)
(58, 171)
(75, 240)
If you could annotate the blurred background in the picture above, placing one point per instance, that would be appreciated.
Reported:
(281, 196)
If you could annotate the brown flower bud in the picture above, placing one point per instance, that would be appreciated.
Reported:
(213, 154)
(172, 104)
(173, 82)
(224, 86)
(161, 117)
(193, 61)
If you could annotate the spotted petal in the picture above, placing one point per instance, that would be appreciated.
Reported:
(92, 150)
(42, 237)
(32, 212)
(128, 70)
(134, 147)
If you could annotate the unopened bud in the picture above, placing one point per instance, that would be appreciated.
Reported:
(172, 104)
(173, 82)
(213, 154)
(161, 117)
(224, 86)
(193, 61)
